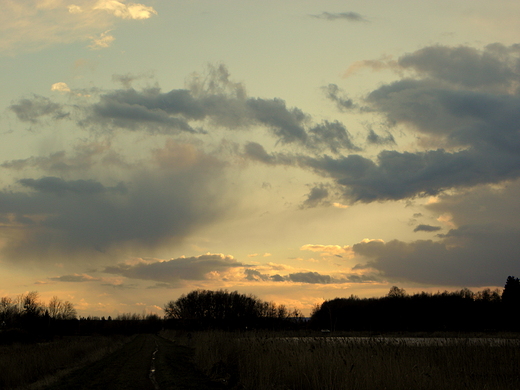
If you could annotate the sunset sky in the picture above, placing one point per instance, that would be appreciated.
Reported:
(297, 150)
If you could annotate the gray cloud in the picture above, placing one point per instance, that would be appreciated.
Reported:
(59, 186)
(495, 66)
(426, 228)
(481, 251)
(376, 139)
(210, 100)
(189, 268)
(85, 218)
(401, 175)
(469, 256)
(309, 277)
(474, 121)
(31, 110)
(336, 94)
(333, 135)
(316, 196)
(254, 275)
(84, 157)
(349, 16)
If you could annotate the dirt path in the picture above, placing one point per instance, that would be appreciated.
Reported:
(129, 368)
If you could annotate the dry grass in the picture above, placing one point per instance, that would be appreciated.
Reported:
(33, 366)
(266, 362)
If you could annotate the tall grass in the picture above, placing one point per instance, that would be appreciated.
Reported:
(31, 366)
(264, 362)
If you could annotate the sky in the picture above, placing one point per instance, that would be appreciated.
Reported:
(294, 150)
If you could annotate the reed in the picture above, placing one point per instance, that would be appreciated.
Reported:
(259, 362)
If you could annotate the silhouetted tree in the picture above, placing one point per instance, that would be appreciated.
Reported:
(396, 292)
(229, 310)
(61, 310)
(511, 293)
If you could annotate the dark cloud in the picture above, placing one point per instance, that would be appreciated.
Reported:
(333, 135)
(31, 110)
(469, 256)
(481, 251)
(211, 100)
(130, 109)
(317, 196)
(256, 152)
(426, 228)
(474, 124)
(349, 16)
(254, 275)
(402, 175)
(336, 94)
(61, 187)
(495, 66)
(376, 139)
(310, 277)
(159, 203)
(287, 124)
(184, 268)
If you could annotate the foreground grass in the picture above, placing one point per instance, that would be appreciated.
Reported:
(257, 362)
(34, 366)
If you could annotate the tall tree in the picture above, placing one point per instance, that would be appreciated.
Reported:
(511, 293)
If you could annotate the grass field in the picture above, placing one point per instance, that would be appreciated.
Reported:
(34, 366)
(259, 362)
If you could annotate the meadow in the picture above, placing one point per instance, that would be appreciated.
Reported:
(37, 365)
(260, 361)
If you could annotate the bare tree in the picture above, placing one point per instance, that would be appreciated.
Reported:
(61, 310)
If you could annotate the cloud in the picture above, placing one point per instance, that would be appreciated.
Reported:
(317, 196)
(60, 87)
(317, 278)
(385, 62)
(482, 250)
(33, 24)
(343, 102)
(494, 67)
(469, 127)
(426, 228)
(59, 186)
(104, 40)
(33, 109)
(214, 101)
(83, 157)
(254, 275)
(125, 11)
(84, 218)
(74, 278)
(183, 268)
(376, 139)
(328, 249)
(349, 16)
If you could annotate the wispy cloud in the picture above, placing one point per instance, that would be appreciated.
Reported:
(348, 16)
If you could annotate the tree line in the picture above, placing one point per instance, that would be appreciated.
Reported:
(463, 310)
(27, 307)
(205, 309)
